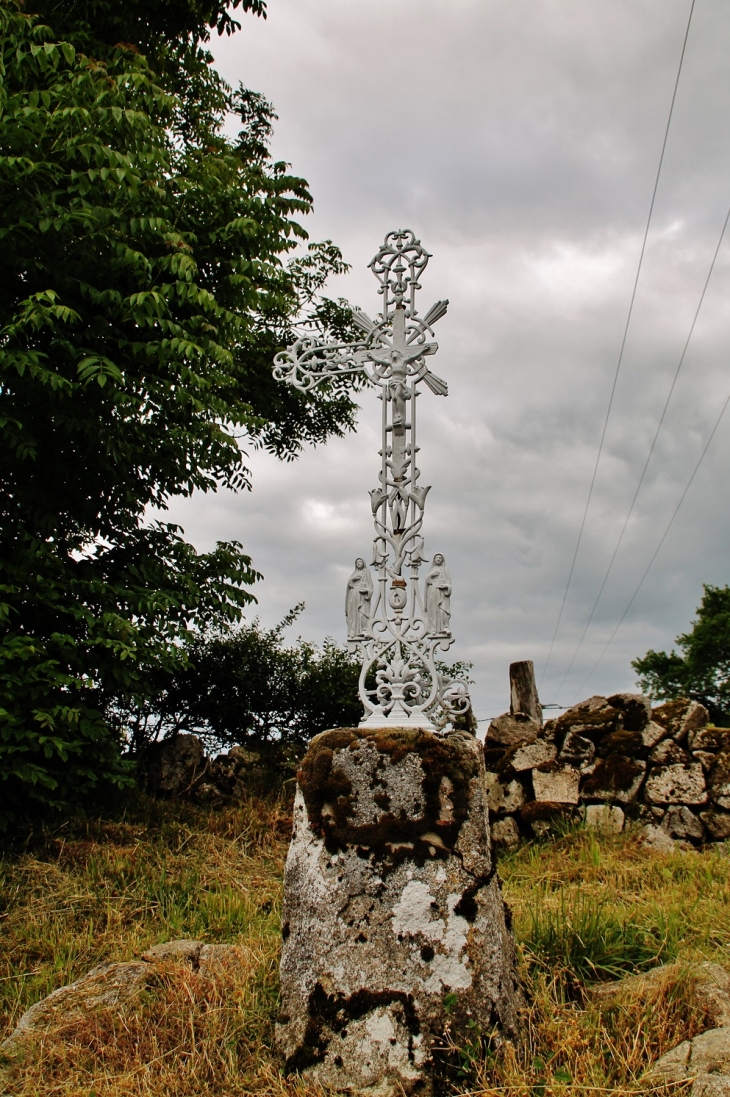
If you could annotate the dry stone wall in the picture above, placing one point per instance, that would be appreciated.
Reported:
(610, 760)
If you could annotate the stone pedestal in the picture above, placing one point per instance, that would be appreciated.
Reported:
(395, 932)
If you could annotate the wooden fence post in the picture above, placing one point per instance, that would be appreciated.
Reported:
(523, 691)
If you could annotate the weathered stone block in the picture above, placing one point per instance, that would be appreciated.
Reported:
(718, 825)
(559, 785)
(391, 903)
(705, 758)
(513, 796)
(652, 734)
(593, 719)
(505, 833)
(681, 717)
(617, 779)
(629, 743)
(544, 811)
(512, 730)
(695, 717)
(577, 750)
(719, 780)
(657, 839)
(533, 754)
(680, 822)
(668, 753)
(635, 707)
(504, 798)
(606, 817)
(680, 784)
(709, 738)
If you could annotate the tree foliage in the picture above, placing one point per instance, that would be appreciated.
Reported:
(702, 670)
(144, 289)
(247, 686)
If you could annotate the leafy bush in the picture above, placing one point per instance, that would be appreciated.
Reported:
(247, 686)
(143, 293)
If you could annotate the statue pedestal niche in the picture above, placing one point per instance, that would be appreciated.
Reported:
(394, 926)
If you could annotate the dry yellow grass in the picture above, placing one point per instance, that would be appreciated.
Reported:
(109, 890)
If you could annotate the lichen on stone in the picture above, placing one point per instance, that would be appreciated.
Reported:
(332, 805)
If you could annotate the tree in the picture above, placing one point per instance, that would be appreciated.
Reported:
(247, 686)
(702, 671)
(144, 289)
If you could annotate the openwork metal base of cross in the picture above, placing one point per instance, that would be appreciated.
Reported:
(396, 620)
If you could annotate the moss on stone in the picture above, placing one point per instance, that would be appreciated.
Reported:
(670, 715)
(593, 725)
(622, 742)
(328, 1015)
(617, 773)
(329, 796)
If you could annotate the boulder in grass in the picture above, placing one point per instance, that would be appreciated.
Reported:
(706, 1059)
(104, 986)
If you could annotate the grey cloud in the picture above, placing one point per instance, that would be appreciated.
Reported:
(519, 138)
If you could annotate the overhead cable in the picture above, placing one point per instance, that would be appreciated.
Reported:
(623, 345)
(651, 451)
(656, 551)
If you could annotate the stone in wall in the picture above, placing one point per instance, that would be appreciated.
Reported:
(532, 755)
(664, 766)
(606, 817)
(556, 784)
(717, 823)
(680, 822)
(719, 780)
(676, 784)
(709, 739)
(391, 904)
(512, 730)
(505, 833)
(681, 717)
(616, 779)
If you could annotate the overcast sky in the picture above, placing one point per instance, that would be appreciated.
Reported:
(520, 140)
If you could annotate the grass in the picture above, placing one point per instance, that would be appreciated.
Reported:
(585, 910)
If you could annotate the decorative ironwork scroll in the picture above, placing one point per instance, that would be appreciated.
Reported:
(398, 623)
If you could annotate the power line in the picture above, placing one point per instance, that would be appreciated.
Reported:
(656, 551)
(651, 451)
(623, 345)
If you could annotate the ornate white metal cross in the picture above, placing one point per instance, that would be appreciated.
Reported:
(397, 625)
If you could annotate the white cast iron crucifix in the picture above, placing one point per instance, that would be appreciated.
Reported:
(397, 624)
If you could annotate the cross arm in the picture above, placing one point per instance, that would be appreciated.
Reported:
(308, 363)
